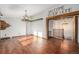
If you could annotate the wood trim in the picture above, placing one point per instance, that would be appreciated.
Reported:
(75, 29)
(4, 38)
(71, 14)
(22, 35)
(47, 26)
(63, 15)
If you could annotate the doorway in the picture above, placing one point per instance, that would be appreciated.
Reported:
(67, 30)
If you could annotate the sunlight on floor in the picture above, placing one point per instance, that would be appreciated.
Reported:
(26, 40)
(64, 45)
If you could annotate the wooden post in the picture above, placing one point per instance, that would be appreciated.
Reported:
(47, 26)
(75, 37)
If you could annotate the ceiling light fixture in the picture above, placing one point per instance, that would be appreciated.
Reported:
(25, 17)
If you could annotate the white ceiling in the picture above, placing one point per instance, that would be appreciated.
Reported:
(18, 10)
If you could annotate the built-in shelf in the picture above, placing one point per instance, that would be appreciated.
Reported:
(63, 15)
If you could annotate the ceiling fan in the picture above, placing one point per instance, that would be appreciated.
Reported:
(30, 18)
(26, 17)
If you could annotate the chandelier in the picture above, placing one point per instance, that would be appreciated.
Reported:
(25, 17)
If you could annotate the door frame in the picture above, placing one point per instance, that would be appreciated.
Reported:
(75, 27)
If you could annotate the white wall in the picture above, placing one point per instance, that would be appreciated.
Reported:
(51, 28)
(69, 29)
(37, 28)
(40, 26)
(29, 27)
(17, 27)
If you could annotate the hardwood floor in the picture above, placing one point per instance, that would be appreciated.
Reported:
(35, 45)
